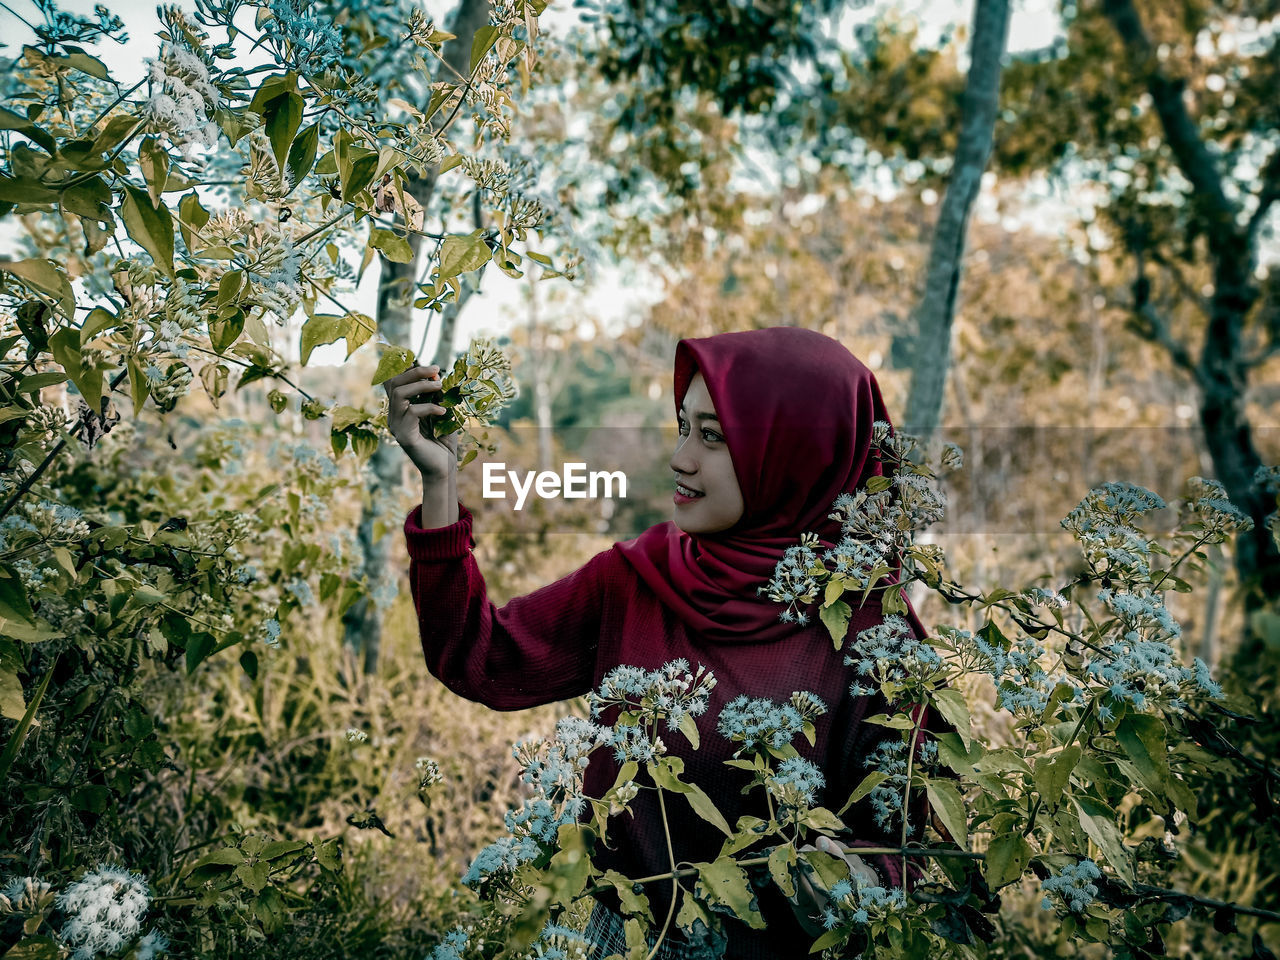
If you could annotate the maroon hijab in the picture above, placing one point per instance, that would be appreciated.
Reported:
(796, 409)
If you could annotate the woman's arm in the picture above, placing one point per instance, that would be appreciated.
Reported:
(538, 648)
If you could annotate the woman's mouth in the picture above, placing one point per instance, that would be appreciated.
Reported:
(685, 494)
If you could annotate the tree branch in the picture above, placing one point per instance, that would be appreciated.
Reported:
(1180, 129)
(1268, 195)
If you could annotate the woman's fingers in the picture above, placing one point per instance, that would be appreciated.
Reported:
(414, 376)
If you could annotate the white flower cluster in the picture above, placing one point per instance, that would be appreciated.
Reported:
(1216, 515)
(181, 313)
(51, 522)
(22, 894)
(890, 758)
(43, 425)
(560, 943)
(554, 770)
(1021, 681)
(356, 736)
(183, 99)
(890, 653)
(858, 902)
(1073, 886)
(275, 279)
(1103, 524)
(669, 693)
(265, 178)
(429, 772)
(794, 580)
(1039, 597)
(104, 911)
(1140, 666)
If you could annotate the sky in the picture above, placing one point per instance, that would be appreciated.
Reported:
(616, 297)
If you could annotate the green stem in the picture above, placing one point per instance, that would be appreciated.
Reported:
(675, 882)
(906, 790)
(1200, 542)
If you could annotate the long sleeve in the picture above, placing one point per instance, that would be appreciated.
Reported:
(536, 649)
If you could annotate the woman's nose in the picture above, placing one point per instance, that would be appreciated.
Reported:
(682, 462)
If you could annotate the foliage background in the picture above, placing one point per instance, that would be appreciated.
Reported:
(1052, 389)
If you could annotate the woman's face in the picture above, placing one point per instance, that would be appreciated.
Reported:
(702, 463)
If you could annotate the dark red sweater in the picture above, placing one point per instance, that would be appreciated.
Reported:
(558, 642)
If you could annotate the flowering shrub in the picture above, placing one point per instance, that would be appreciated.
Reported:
(1099, 713)
(171, 226)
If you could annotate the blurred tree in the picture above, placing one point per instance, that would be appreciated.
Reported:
(397, 287)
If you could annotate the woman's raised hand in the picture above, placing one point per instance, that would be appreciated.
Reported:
(407, 421)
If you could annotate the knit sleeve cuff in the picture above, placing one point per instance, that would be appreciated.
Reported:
(440, 543)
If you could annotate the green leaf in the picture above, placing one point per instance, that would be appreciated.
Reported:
(34, 948)
(461, 254)
(1142, 738)
(192, 216)
(153, 159)
(665, 773)
(275, 849)
(391, 245)
(25, 190)
(148, 595)
(484, 40)
(282, 117)
(830, 938)
(302, 154)
(869, 783)
(199, 646)
(1007, 858)
(689, 727)
(360, 175)
(836, 619)
(949, 805)
(1052, 776)
(781, 860)
(570, 868)
(724, 882)
(16, 121)
(99, 319)
(1099, 822)
(79, 60)
(955, 710)
(272, 88)
(38, 381)
(12, 704)
(151, 227)
(44, 276)
(224, 332)
(13, 598)
(65, 346)
(90, 200)
(899, 721)
(634, 904)
(393, 362)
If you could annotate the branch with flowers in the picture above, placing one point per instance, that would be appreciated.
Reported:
(1100, 726)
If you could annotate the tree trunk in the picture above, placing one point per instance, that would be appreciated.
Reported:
(362, 623)
(1222, 371)
(936, 311)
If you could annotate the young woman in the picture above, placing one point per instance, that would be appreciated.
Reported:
(774, 424)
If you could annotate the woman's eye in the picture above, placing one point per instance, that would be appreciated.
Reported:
(709, 435)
